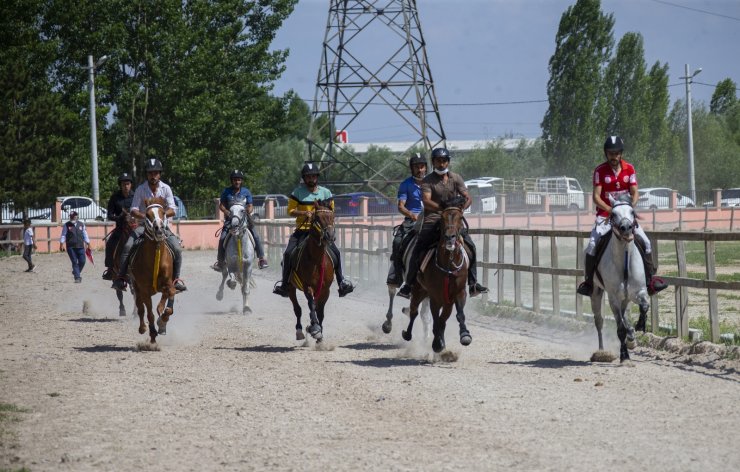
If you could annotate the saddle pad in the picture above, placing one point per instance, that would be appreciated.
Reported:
(425, 260)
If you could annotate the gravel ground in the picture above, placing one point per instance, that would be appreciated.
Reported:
(233, 392)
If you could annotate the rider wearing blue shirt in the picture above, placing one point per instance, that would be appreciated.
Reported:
(410, 206)
(229, 196)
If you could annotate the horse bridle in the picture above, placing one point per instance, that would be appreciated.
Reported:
(241, 220)
(324, 231)
(457, 246)
(615, 224)
(149, 230)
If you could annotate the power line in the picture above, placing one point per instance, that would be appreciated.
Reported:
(696, 10)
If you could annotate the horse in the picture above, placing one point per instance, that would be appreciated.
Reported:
(425, 317)
(313, 270)
(239, 252)
(444, 280)
(620, 273)
(129, 227)
(151, 269)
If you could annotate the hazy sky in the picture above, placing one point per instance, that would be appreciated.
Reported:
(494, 51)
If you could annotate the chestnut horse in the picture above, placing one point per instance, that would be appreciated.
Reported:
(151, 267)
(313, 270)
(444, 279)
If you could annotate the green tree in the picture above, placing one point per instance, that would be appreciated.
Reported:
(573, 124)
(724, 97)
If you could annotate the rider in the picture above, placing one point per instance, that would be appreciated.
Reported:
(615, 177)
(119, 207)
(301, 205)
(153, 187)
(438, 187)
(228, 197)
(410, 206)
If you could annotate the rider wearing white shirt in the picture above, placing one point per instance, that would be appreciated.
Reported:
(152, 188)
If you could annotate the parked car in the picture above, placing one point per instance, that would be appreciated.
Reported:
(660, 198)
(565, 192)
(730, 197)
(281, 205)
(482, 194)
(348, 204)
(85, 207)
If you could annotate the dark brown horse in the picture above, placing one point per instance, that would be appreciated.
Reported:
(313, 270)
(126, 232)
(444, 279)
(150, 269)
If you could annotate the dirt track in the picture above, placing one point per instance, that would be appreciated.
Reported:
(233, 392)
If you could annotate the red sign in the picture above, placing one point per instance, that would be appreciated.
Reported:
(341, 136)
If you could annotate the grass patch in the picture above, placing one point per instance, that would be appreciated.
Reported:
(725, 327)
(9, 413)
(734, 277)
(726, 253)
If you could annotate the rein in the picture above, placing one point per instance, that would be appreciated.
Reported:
(451, 269)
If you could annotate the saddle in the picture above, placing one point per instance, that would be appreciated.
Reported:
(229, 236)
(294, 257)
(601, 247)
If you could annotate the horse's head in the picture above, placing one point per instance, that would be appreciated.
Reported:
(238, 216)
(622, 218)
(452, 222)
(156, 220)
(322, 223)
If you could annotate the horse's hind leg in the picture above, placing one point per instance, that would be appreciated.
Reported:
(140, 308)
(440, 324)
(121, 306)
(314, 329)
(388, 325)
(644, 305)
(165, 312)
(150, 320)
(596, 297)
(220, 293)
(413, 313)
(624, 354)
(297, 311)
(465, 337)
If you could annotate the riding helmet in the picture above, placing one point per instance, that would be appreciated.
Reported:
(441, 153)
(417, 158)
(125, 177)
(613, 143)
(236, 174)
(310, 168)
(153, 165)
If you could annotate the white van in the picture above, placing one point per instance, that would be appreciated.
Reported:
(483, 195)
(564, 192)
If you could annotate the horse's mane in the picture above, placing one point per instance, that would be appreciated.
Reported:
(458, 202)
(324, 203)
(156, 201)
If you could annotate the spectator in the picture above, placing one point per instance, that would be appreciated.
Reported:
(74, 234)
(28, 244)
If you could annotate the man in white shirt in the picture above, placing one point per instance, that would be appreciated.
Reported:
(153, 187)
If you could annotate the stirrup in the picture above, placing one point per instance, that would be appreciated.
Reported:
(476, 289)
(108, 274)
(217, 266)
(585, 289)
(656, 285)
(182, 284)
(404, 291)
(345, 287)
(280, 289)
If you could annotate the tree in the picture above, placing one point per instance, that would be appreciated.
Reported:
(38, 130)
(572, 126)
(724, 97)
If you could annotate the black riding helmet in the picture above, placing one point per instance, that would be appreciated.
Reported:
(613, 143)
(153, 165)
(236, 174)
(310, 168)
(417, 158)
(441, 153)
(125, 177)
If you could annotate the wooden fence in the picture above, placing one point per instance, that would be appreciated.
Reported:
(366, 251)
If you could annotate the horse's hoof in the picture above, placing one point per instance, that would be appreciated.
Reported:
(631, 344)
(220, 296)
(231, 284)
(315, 331)
(246, 310)
(438, 345)
(387, 326)
(299, 335)
(466, 339)
(406, 335)
(142, 329)
(121, 312)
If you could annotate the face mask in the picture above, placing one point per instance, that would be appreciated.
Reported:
(441, 172)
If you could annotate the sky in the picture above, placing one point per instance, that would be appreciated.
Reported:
(485, 54)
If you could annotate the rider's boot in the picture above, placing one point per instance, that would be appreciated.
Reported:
(587, 287)
(262, 264)
(281, 288)
(120, 282)
(108, 274)
(654, 284)
(345, 286)
(396, 276)
(475, 288)
(220, 257)
(408, 285)
(176, 265)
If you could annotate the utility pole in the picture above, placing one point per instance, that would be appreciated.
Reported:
(688, 78)
(91, 66)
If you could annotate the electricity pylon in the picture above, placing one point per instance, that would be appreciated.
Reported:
(354, 85)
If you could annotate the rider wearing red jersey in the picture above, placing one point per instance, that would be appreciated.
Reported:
(614, 178)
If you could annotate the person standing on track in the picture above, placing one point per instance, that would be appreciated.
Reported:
(74, 235)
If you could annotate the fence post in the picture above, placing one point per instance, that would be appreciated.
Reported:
(555, 279)
(579, 265)
(535, 275)
(500, 272)
(517, 273)
(712, 292)
(486, 254)
(654, 311)
(270, 208)
(682, 296)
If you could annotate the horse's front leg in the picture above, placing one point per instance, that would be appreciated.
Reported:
(150, 318)
(416, 298)
(297, 311)
(245, 289)
(596, 298)
(121, 306)
(465, 337)
(220, 293)
(314, 329)
(624, 321)
(388, 325)
(140, 308)
(644, 303)
(168, 296)
(440, 324)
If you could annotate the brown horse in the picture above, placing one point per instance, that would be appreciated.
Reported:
(150, 269)
(313, 270)
(444, 279)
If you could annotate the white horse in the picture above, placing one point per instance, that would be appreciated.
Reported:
(426, 315)
(239, 253)
(620, 273)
